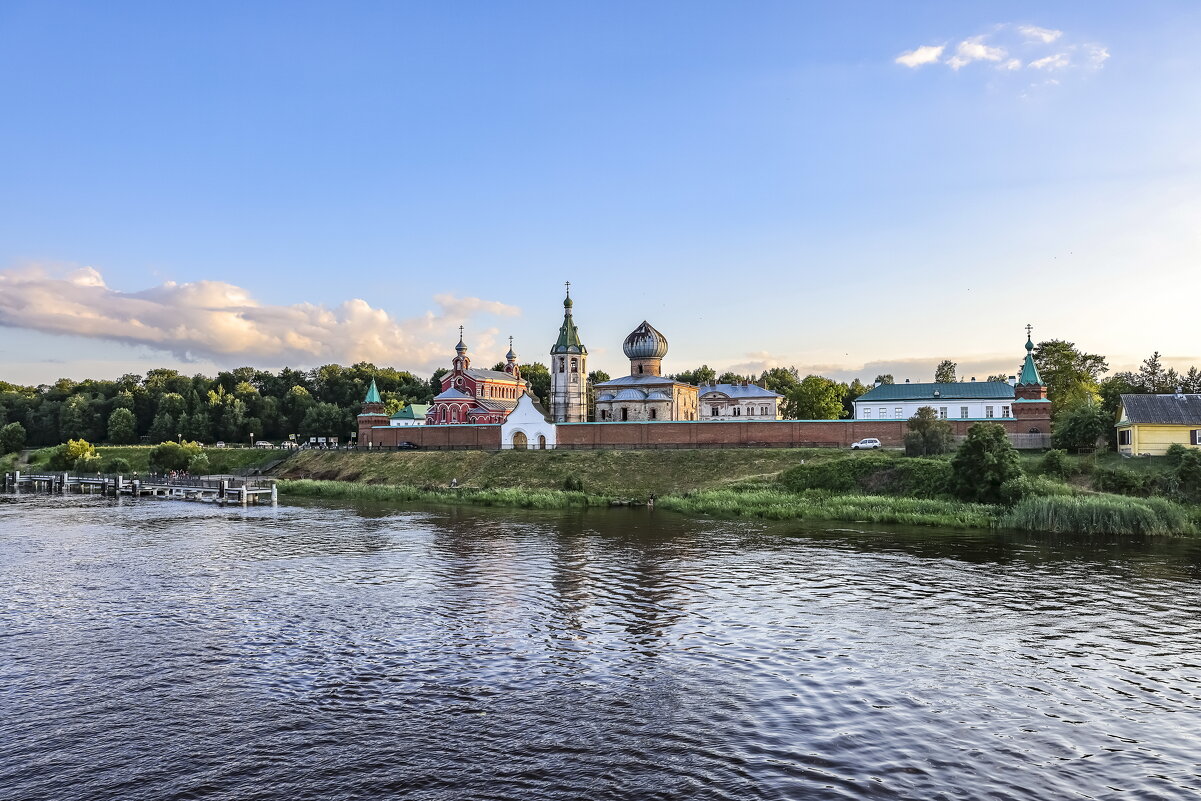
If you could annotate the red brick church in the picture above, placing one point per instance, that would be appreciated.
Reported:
(477, 396)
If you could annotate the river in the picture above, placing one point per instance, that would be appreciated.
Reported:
(167, 650)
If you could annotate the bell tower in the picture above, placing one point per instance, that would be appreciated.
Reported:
(1030, 404)
(568, 371)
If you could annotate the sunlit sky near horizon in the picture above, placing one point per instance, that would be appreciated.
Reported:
(851, 189)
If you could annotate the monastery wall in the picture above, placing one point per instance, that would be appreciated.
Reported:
(691, 434)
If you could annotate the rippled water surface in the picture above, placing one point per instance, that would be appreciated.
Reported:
(164, 650)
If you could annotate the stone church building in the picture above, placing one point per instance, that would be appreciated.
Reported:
(645, 394)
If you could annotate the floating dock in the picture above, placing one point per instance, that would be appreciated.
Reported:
(220, 489)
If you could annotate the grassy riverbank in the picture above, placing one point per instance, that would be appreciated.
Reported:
(794, 484)
(627, 474)
(521, 498)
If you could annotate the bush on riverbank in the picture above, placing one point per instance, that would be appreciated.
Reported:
(875, 475)
(1100, 515)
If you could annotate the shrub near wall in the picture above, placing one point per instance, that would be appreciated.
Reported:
(876, 475)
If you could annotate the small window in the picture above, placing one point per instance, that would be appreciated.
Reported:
(1005, 411)
(988, 411)
(575, 365)
(883, 413)
(942, 412)
(900, 413)
(625, 414)
(737, 411)
(867, 414)
(562, 364)
(1196, 438)
(715, 411)
(963, 412)
(654, 414)
(1124, 436)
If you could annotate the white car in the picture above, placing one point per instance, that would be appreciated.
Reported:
(871, 443)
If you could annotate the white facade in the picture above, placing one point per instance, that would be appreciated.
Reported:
(947, 409)
(962, 400)
(527, 427)
(744, 401)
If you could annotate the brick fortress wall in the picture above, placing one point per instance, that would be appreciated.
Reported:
(586, 436)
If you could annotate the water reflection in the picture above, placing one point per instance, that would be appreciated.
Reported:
(164, 650)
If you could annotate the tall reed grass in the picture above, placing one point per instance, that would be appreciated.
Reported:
(781, 505)
(1105, 514)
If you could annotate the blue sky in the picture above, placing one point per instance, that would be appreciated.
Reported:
(209, 186)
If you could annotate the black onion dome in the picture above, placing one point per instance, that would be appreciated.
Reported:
(644, 342)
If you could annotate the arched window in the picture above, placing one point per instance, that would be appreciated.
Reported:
(575, 365)
(654, 414)
(562, 363)
(541, 442)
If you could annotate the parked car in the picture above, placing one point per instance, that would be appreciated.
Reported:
(261, 444)
(870, 443)
(408, 446)
(218, 444)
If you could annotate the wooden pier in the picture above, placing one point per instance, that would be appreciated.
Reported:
(219, 489)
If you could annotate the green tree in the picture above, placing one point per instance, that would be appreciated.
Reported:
(983, 463)
(12, 438)
(1081, 425)
(325, 420)
(853, 391)
(1001, 377)
(198, 427)
(815, 398)
(928, 435)
(74, 419)
(597, 377)
(539, 377)
(122, 427)
(944, 373)
(885, 378)
(436, 381)
(730, 377)
(172, 403)
(1154, 378)
(781, 380)
(163, 429)
(65, 456)
(172, 455)
(1070, 374)
(701, 375)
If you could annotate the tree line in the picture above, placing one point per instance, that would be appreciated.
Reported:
(165, 405)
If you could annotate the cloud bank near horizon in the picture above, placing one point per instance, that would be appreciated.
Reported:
(223, 323)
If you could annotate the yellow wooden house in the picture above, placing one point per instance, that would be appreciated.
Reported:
(1148, 424)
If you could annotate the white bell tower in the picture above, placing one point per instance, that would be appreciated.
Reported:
(568, 372)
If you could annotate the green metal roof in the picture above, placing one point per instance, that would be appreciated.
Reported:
(373, 394)
(414, 411)
(569, 335)
(957, 390)
(1029, 368)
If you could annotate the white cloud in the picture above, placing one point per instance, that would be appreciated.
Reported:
(1056, 61)
(223, 322)
(974, 49)
(926, 54)
(1044, 49)
(1097, 55)
(1036, 34)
